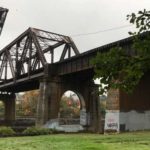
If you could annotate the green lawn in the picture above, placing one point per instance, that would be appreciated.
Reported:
(127, 141)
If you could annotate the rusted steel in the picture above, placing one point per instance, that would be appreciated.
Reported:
(64, 52)
(2, 66)
(26, 55)
(9, 59)
(3, 14)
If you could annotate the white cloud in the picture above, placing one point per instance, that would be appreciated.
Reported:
(70, 17)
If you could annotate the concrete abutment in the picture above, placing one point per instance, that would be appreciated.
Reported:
(10, 107)
(50, 96)
(129, 112)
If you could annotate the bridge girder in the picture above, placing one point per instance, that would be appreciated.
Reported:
(32, 51)
(3, 14)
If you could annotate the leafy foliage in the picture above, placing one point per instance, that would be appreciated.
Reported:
(141, 20)
(69, 107)
(27, 104)
(6, 131)
(37, 131)
(2, 109)
(122, 68)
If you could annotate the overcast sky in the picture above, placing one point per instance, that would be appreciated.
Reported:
(71, 17)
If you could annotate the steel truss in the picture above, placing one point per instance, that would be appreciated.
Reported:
(33, 50)
(3, 14)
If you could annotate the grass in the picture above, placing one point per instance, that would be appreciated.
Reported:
(126, 141)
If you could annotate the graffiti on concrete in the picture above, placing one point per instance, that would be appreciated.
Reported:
(112, 121)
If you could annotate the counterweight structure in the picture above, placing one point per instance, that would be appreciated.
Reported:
(3, 14)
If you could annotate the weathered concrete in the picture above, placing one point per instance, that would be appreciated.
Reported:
(47, 107)
(129, 112)
(10, 109)
(127, 121)
(134, 120)
(50, 96)
(112, 112)
(54, 124)
(112, 122)
(95, 109)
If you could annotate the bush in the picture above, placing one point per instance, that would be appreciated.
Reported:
(37, 131)
(6, 131)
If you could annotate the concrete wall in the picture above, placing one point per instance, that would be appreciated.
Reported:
(112, 122)
(129, 112)
(127, 121)
(50, 96)
(134, 120)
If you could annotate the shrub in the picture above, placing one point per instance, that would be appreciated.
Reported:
(6, 131)
(37, 131)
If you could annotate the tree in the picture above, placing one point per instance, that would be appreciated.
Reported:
(69, 107)
(28, 103)
(120, 68)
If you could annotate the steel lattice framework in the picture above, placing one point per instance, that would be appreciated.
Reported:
(3, 14)
(32, 51)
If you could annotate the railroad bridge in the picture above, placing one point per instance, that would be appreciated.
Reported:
(51, 62)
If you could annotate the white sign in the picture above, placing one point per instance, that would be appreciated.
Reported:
(83, 117)
(112, 121)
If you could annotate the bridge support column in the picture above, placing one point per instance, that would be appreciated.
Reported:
(112, 111)
(96, 124)
(89, 90)
(47, 107)
(10, 109)
(42, 105)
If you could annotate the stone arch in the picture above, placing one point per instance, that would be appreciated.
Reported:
(82, 101)
(82, 107)
(50, 95)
